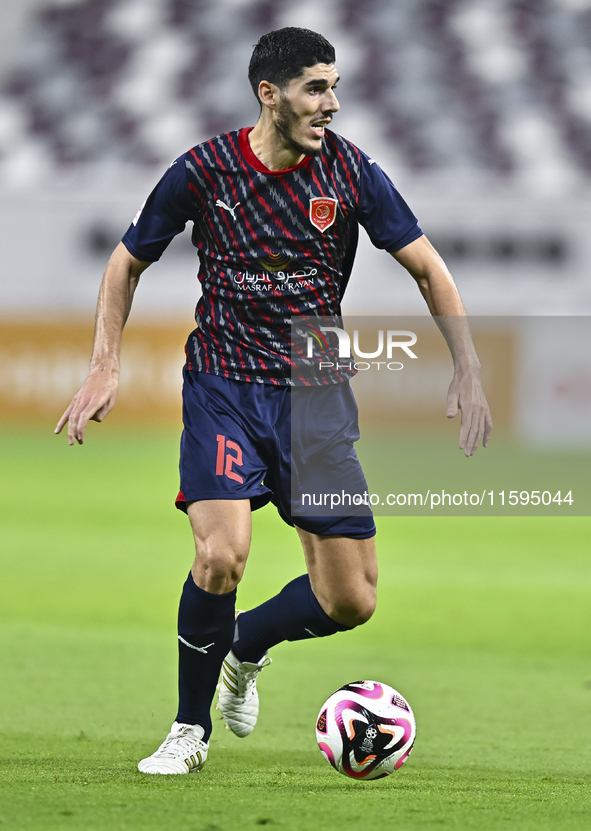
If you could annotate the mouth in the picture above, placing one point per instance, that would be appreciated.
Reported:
(319, 126)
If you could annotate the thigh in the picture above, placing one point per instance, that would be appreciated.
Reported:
(343, 574)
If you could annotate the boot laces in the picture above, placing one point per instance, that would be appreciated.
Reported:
(184, 741)
(246, 678)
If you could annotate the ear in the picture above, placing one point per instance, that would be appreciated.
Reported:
(268, 94)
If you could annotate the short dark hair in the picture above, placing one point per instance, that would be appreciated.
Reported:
(282, 55)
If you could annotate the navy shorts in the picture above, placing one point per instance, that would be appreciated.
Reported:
(237, 444)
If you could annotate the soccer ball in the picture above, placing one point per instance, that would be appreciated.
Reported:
(366, 730)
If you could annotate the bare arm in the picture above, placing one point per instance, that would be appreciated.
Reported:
(436, 284)
(96, 397)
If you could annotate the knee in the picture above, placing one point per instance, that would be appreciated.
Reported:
(354, 610)
(218, 565)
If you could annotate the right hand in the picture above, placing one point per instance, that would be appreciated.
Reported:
(93, 401)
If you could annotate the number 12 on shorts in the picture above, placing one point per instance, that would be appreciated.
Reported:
(225, 460)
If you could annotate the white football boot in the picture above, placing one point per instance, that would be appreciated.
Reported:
(238, 699)
(182, 751)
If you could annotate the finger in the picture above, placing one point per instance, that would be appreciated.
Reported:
(77, 423)
(482, 427)
(471, 434)
(73, 426)
(488, 425)
(476, 432)
(78, 432)
(464, 429)
(452, 404)
(59, 426)
(82, 423)
(103, 411)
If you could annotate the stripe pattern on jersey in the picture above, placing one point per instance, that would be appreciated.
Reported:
(248, 220)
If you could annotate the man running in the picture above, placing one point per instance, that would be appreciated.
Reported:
(267, 202)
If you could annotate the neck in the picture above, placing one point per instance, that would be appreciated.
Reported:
(269, 146)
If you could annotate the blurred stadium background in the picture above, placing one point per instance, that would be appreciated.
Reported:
(480, 112)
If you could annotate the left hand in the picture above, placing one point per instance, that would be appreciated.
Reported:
(466, 394)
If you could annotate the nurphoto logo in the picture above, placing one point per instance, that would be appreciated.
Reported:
(318, 341)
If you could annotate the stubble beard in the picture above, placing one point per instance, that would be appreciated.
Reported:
(286, 124)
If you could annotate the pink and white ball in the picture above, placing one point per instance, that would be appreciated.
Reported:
(366, 730)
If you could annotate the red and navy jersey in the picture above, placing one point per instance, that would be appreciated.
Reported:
(272, 245)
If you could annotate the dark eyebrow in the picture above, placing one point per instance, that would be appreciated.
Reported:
(319, 82)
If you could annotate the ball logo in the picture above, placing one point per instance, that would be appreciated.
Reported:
(398, 701)
(323, 212)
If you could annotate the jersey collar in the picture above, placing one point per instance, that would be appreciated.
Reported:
(255, 162)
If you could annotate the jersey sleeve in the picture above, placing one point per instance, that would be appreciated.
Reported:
(163, 215)
(382, 211)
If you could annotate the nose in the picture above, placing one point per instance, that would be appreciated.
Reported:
(331, 103)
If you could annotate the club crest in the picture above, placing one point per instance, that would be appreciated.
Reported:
(323, 212)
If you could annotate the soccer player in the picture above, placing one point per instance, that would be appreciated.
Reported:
(280, 199)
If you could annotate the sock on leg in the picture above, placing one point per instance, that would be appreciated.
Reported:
(292, 615)
(205, 629)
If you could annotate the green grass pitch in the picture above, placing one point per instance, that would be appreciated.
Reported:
(483, 623)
